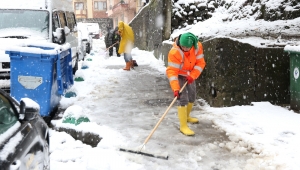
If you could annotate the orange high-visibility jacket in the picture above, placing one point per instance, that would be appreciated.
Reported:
(182, 63)
(127, 38)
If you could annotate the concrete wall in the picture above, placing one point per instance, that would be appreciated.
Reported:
(239, 73)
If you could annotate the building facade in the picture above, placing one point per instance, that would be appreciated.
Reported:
(123, 10)
(90, 8)
(117, 10)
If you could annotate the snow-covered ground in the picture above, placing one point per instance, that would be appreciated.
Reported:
(260, 136)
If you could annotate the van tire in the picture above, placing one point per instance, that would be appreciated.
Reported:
(76, 66)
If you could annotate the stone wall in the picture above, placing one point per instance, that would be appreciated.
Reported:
(152, 25)
(183, 14)
(162, 52)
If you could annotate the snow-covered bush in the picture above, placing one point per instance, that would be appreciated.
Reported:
(190, 12)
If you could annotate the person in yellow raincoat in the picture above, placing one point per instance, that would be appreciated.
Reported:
(185, 64)
(126, 43)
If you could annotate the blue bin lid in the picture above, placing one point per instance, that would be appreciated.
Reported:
(51, 54)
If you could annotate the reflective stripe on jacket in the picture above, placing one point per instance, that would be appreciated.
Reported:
(182, 63)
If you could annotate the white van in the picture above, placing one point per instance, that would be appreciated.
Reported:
(39, 21)
(85, 37)
(94, 29)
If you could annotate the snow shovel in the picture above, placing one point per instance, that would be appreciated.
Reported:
(139, 151)
(104, 52)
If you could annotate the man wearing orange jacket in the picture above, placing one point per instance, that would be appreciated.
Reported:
(185, 64)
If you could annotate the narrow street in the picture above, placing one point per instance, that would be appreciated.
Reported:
(134, 104)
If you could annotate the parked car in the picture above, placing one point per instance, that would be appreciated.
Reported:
(24, 135)
(39, 21)
(85, 37)
(94, 29)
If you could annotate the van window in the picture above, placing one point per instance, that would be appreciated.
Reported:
(71, 21)
(25, 20)
(62, 19)
(55, 21)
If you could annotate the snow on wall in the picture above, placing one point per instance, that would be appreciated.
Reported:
(292, 48)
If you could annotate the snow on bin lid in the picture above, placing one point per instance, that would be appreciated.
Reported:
(292, 48)
(33, 47)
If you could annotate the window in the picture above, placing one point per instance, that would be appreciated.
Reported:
(55, 21)
(33, 20)
(71, 20)
(79, 6)
(59, 20)
(62, 19)
(99, 5)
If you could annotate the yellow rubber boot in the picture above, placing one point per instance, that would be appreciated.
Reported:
(189, 109)
(182, 115)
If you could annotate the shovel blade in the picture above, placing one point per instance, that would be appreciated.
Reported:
(155, 155)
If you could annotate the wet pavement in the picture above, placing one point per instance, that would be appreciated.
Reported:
(145, 96)
(135, 103)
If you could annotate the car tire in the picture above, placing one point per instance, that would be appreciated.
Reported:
(88, 48)
(46, 165)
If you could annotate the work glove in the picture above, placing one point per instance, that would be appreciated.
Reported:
(177, 94)
(189, 79)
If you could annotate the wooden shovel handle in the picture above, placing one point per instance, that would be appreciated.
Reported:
(111, 46)
(162, 117)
